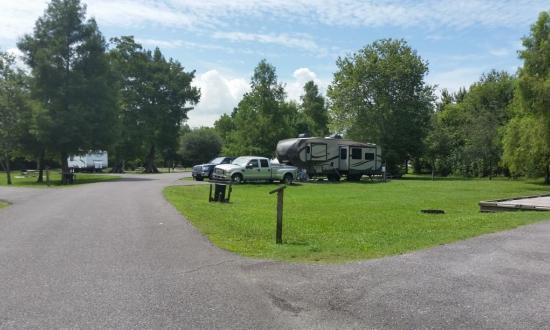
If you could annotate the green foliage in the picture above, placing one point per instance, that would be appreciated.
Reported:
(261, 119)
(314, 112)
(465, 137)
(527, 140)
(365, 221)
(155, 98)
(200, 145)
(71, 79)
(525, 150)
(379, 95)
(15, 111)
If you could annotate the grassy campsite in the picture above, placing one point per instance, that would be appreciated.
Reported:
(350, 221)
(27, 180)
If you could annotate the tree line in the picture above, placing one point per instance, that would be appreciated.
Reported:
(83, 93)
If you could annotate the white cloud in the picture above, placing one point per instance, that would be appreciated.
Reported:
(302, 41)
(295, 88)
(137, 13)
(219, 95)
(177, 43)
(17, 17)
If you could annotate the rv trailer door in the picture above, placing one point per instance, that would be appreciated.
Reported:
(343, 159)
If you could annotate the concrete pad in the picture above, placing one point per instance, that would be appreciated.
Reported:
(530, 203)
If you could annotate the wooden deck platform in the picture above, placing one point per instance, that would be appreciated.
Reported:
(528, 203)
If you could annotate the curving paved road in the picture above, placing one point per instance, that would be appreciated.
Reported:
(117, 255)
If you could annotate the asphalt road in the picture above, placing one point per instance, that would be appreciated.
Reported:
(117, 255)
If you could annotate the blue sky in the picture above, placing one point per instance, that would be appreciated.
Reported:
(224, 40)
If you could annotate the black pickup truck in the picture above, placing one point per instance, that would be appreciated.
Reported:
(205, 170)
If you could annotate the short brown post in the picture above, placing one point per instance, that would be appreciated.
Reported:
(280, 195)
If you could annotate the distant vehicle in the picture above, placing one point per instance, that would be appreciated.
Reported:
(253, 168)
(92, 161)
(205, 170)
(332, 157)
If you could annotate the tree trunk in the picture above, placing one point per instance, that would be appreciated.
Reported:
(8, 172)
(547, 174)
(150, 161)
(118, 167)
(64, 169)
(40, 167)
(6, 166)
(433, 170)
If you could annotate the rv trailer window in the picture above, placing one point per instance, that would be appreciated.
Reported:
(356, 153)
(369, 156)
(343, 153)
(264, 163)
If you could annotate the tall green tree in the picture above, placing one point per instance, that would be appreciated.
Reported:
(467, 129)
(379, 95)
(262, 117)
(524, 142)
(72, 80)
(129, 62)
(156, 95)
(485, 108)
(534, 86)
(314, 109)
(15, 111)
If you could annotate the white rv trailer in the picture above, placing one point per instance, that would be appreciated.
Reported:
(92, 161)
(331, 157)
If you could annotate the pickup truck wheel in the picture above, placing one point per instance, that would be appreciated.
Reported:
(237, 178)
(198, 178)
(288, 178)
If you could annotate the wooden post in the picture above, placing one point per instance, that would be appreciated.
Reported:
(280, 195)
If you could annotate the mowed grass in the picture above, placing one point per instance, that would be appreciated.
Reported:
(3, 204)
(351, 221)
(55, 179)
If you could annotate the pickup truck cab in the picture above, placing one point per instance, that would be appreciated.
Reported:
(253, 168)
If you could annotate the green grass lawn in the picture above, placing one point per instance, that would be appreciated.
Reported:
(55, 179)
(3, 204)
(349, 221)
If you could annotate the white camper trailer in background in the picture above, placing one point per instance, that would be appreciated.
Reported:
(332, 157)
(92, 161)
